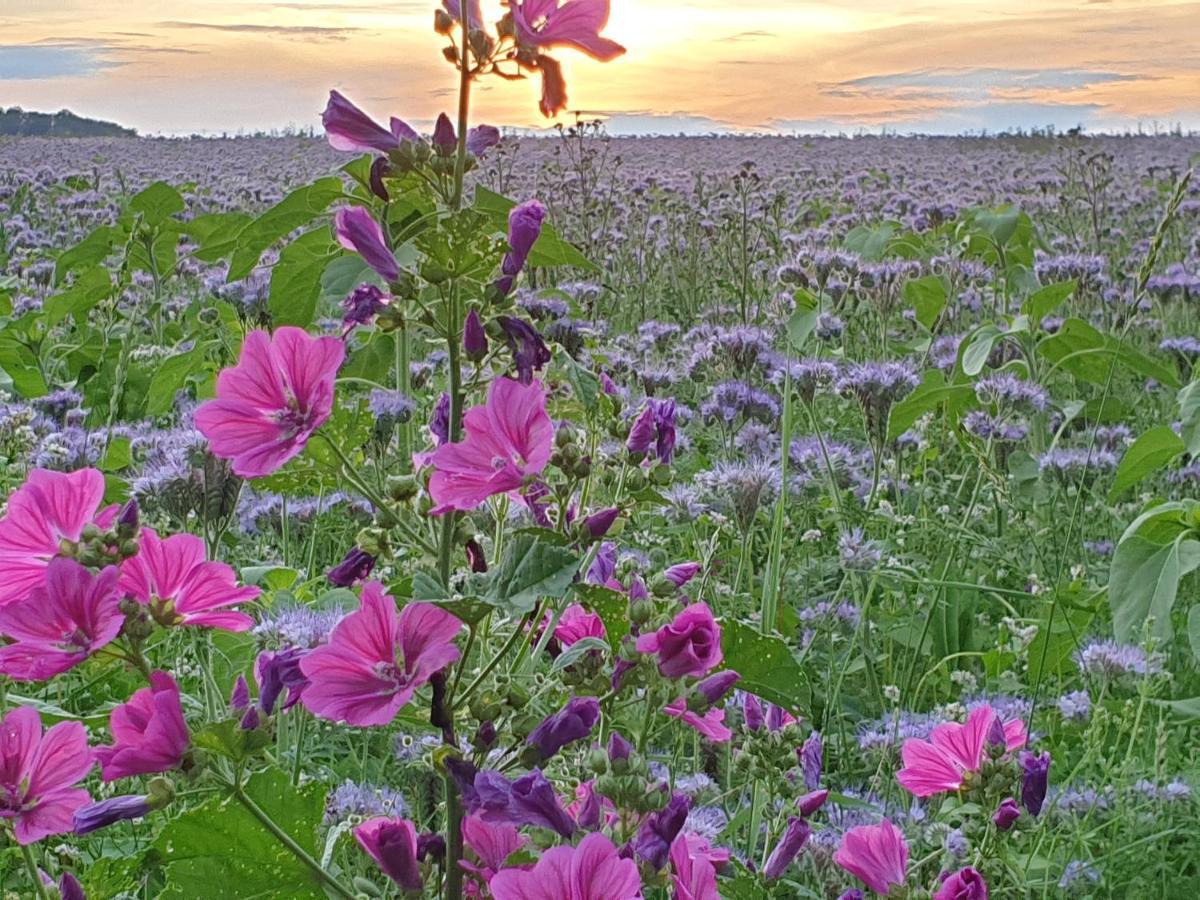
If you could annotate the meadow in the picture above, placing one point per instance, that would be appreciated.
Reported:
(591, 518)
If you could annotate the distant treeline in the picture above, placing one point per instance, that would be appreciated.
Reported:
(16, 122)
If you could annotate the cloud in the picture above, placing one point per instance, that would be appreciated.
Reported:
(746, 36)
(35, 62)
(972, 84)
(319, 32)
(960, 119)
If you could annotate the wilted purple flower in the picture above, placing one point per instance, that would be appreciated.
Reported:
(354, 567)
(530, 800)
(475, 557)
(752, 712)
(69, 888)
(482, 138)
(439, 425)
(618, 747)
(529, 351)
(381, 168)
(716, 686)
(1035, 776)
(664, 427)
(95, 816)
(681, 573)
(431, 846)
(571, 723)
(641, 435)
(795, 836)
(127, 518)
(812, 760)
(598, 524)
(239, 697)
(277, 672)
(656, 834)
(604, 565)
(524, 228)
(363, 304)
(357, 230)
(475, 342)
(1006, 814)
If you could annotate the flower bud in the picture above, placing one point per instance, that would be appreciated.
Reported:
(475, 342)
(1006, 814)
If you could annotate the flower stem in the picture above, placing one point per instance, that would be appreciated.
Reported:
(295, 849)
(34, 874)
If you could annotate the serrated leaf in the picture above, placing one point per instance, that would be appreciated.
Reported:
(530, 569)
(1150, 453)
(91, 251)
(88, 289)
(766, 664)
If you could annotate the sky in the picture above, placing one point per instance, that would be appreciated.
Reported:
(692, 66)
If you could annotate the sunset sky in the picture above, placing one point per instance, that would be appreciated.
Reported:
(941, 66)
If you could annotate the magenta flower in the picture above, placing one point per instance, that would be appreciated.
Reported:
(506, 439)
(690, 645)
(576, 623)
(710, 725)
(38, 773)
(270, 403)
(965, 884)
(695, 870)
(47, 509)
(940, 765)
(474, 11)
(356, 229)
(493, 843)
(348, 128)
(576, 24)
(876, 855)
(524, 228)
(376, 660)
(148, 731)
(392, 843)
(592, 871)
(182, 588)
(61, 623)
(795, 836)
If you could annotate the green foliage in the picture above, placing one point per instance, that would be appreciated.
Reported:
(531, 568)
(766, 664)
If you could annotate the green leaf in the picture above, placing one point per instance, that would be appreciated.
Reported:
(156, 203)
(297, 278)
(373, 360)
(1193, 624)
(221, 843)
(88, 289)
(343, 275)
(549, 249)
(766, 664)
(578, 651)
(170, 375)
(216, 234)
(1185, 710)
(294, 211)
(932, 394)
(91, 251)
(871, 241)
(978, 348)
(1043, 302)
(1144, 580)
(1189, 418)
(530, 569)
(1082, 351)
(928, 298)
(1000, 223)
(803, 321)
(611, 606)
(1150, 453)
(118, 455)
(583, 381)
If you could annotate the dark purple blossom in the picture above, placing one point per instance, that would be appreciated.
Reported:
(573, 722)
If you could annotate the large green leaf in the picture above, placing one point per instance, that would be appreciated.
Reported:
(296, 278)
(1043, 302)
(803, 321)
(530, 569)
(216, 233)
(93, 249)
(978, 347)
(1144, 581)
(928, 298)
(220, 849)
(932, 394)
(1086, 353)
(870, 242)
(88, 289)
(766, 664)
(156, 203)
(294, 211)
(611, 606)
(1150, 453)
(1189, 418)
(1194, 630)
(169, 376)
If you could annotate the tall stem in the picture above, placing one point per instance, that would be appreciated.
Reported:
(34, 874)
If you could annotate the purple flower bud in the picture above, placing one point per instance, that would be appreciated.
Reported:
(529, 351)
(475, 557)
(393, 845)
(588, 816)
(852, 894)
(1035, 777)
(95, 816)
(250, 720)
(127, 519)
(363, 304)
(573, 722)
(475, 342)
(752, 711)
(608, 385)
(598, 524)
(357, 230)
(444, 139)
(69, 888)
(811, 802)
(681, 573)
(431, 845)
(656, 834)
(439, 425)
(485, 736)
(795, 836)
(997, 743)
(482, 138)
(524, 228)
(716, 686)
(239, 697)
(380, 169)
(276, 672)
(355, 566)
(641, 435)
(1006, 814)
(812, 760)
(618, 747)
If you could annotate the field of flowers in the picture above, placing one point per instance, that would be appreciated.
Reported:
(585, 518)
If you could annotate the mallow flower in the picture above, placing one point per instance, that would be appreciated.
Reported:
(181, 587)
(694, 873)
(392, 843)
(965, 884)
(876, 855)
(149, 733)
(941, 764)
(348, 128)
(38, 774)
(356, 229)
(270, 403)
(376, 659)
(689, 646)
(511, 436)
(47, 509)
(594, 870)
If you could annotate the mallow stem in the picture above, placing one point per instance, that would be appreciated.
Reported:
(295, 849)
(34, 874)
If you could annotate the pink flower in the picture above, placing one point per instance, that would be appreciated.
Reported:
(357, 230)
(376, 660)
(148, 731)
(181, 587)
(940, 764)
(695, 872)
(37, 774)
(348, 128)
(392, 843)
(875, 854)
(576, 623)
(710, 725)
(271, 402)
(965, 884)
(690, 645)
(506, 439)
(48, 508)
(61, 623)
(591, 871)
(492, 842)
(576, 24)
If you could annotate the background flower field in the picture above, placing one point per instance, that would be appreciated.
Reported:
(790, 464)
